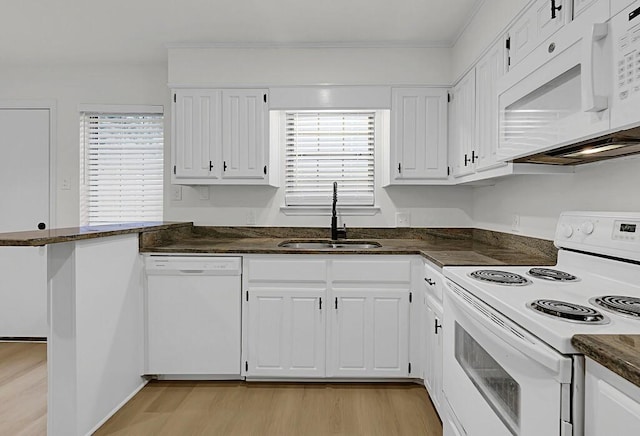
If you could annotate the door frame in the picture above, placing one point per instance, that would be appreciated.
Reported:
(51, 106)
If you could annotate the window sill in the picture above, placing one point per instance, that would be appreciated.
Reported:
(326, 210)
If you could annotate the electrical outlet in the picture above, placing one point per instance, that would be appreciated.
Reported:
(403, 219)
(176, 192)
(251, 218)
(515, 222)
(203, 192)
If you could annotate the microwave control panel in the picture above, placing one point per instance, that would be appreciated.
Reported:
(627, 53)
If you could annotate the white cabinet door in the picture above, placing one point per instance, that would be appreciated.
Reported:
(419, 134)
(198, 134)
(533, 27)
(245, 133)
(286, 333)
(369, 333)
(488, 70)
(612, 404)
(462, 125)
(433, 366)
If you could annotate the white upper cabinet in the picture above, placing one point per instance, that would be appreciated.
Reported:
(418, 136)
(220, 136)
(197, 133)
(244, 133)
(488, 70)
(462, 126)
(534, 26)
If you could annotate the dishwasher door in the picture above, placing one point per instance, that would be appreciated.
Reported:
(193, 307)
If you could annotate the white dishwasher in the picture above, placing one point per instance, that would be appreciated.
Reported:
(193, 306)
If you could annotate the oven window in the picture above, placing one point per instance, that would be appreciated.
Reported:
(496, 386)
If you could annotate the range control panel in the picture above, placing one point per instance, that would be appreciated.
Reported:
(614, 234)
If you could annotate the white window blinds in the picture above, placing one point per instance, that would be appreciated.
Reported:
(121, 167)
(323, 147)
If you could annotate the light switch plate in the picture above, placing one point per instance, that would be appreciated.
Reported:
(176, 192)
(403, 219)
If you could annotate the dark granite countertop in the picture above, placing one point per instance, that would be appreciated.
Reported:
(52, 236)
(619, 353)
(443, 247)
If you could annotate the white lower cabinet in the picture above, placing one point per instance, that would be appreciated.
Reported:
(433, 361)
(286, 328)
(612, 404)
(312, 316)
(369, 333)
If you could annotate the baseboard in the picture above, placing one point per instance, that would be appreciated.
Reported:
(118, 407)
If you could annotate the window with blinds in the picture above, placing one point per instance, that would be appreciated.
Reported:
(121, 167)
(327, 146)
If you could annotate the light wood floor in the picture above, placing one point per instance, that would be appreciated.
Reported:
(23, 389)
(236, 408)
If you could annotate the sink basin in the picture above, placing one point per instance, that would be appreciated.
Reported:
(323, 245)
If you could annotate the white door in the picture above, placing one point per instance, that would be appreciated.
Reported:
(419, 134)
(488, 70)
(24, 179)
(245, 133)
(286, 333)
(369, 333)
(463, 125)
(198, 132)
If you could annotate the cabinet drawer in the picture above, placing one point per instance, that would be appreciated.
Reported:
(265, 270)
(375, 271)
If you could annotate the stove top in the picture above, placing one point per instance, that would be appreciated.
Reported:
(595, 278)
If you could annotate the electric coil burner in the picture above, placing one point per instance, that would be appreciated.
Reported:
(568, 311)
(500, 277)
(620, 304)
(552, 274)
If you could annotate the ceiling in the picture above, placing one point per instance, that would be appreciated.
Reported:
(137, 31)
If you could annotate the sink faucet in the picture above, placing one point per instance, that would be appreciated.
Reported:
(335, 232)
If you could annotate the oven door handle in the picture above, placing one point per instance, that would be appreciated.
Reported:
(487, 318)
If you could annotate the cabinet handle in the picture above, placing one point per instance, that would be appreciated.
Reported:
(466, 159)
(400, 168)
(320, 303)
(428, 280)
(265, 170)
(224, 165)
(554, 8)
(436, 326)
(210, 165)
(336, 302)
(473, 156)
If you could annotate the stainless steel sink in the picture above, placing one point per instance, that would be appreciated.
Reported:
(323, 245)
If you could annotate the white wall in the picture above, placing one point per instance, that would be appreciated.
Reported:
(212, 66)
(538, 200)
(70, 86)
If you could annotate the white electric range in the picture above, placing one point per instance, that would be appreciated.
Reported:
(509, 366)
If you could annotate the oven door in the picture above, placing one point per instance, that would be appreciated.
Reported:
(498, 378)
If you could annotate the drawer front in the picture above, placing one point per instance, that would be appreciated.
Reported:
(286, 270)
(371, 270)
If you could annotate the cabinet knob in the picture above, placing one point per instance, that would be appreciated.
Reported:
(428, 280)
(42, 226)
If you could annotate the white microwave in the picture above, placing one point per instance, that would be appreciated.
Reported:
(581, 83)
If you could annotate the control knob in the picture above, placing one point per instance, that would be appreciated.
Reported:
(586, 227)
(567, 230)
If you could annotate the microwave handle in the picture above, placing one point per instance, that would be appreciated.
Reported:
(590, 101)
